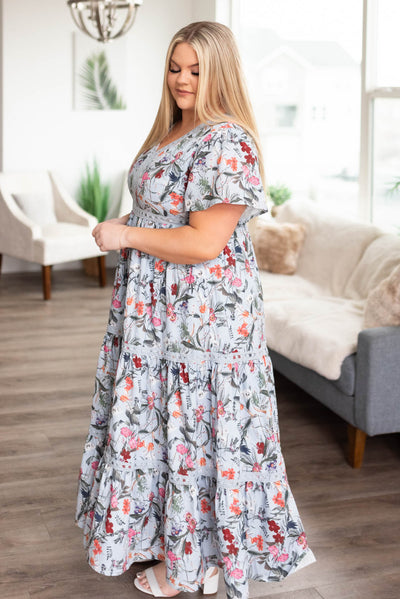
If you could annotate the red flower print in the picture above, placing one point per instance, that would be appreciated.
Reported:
(126, 455)
(174, 289)
(129, 383)
(109, 525)
(188, 547)
(228, 536)
(97, 547)
(278, 499)
(233, 550)
(258, 540)
(227, 251)
(231, 261)
(229, 474)
(182, 471)
(183, 374)
(139, 308)
(278, 538)
(245, 147)
(260, 447)
(242, 330)
(302, 540)
(217, 270)
(137, 361)
(159, 173)
(126, 506)
(273, 526)
(205, 506)
(159, 265)
(232, 162)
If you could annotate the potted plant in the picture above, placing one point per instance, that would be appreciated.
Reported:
(279, 194)
(93, 197)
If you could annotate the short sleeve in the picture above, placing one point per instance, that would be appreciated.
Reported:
(225, 170)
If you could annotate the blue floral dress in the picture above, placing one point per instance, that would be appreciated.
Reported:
(182, 461)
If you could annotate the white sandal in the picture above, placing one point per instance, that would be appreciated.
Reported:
(210, 584)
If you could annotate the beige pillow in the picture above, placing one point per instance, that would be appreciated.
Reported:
(383, 303)
(277, 245)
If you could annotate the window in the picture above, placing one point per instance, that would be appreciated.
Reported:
(304, 79)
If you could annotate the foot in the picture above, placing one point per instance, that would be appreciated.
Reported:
(160, 572)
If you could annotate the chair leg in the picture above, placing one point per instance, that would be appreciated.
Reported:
(102, 271)
(356, 446)
(46, 280)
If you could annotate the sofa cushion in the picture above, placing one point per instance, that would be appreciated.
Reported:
(380, 258)
(383, 303)
(316, 332)
(333, 245)
(277, 245)
(281, 287)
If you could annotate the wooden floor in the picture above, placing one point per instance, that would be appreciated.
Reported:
(48, 360)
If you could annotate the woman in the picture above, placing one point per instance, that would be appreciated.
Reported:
(182, 462)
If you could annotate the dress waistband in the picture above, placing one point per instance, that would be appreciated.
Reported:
(177, 219)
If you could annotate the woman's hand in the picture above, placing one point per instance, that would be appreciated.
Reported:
(109, 235)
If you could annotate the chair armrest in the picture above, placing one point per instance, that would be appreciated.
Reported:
(377, 401)
(65, 207)
(17, 230)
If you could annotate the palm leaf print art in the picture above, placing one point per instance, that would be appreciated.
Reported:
(99, 92)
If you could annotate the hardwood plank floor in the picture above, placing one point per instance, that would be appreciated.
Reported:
(48, 356)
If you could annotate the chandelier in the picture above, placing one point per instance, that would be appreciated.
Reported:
(104, 20)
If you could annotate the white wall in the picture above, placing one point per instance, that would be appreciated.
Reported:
(40, 130)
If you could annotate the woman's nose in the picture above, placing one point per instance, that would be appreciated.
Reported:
(183, 76)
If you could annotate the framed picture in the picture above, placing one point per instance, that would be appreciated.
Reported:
(99, 74)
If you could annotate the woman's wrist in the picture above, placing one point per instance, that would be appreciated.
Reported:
(123, 241)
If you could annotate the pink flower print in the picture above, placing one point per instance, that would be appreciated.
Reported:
(220, 407)
(181, 449)
(228, 562)
(247, 265)
(114, 501)
(236, 573)
(302, 540)
(190, 278)
(106, 348)
(116, 303)
(274, 550)
(283, 557)
(126, 432)
(173, 317)
(156, 321)
(131, 534)
(246, 171)
(256, 467)
(189, 462)
(171, 556)
(145, 177)
(132, 443)
(199, 413)
(207, 137)
(95, 465)
(237, 282)
(254, 180)
(151, 496)
(161, 491)
(178, 155)
(228, 274)
(150, 400)
(149, 310)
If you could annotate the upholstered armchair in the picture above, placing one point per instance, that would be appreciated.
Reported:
(40, 222)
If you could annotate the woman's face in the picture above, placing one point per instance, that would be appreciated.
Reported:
(183, 76)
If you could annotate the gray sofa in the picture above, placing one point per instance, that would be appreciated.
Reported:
(315, 322)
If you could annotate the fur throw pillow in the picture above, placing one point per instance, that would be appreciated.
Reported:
(383, 303)
(277, 245)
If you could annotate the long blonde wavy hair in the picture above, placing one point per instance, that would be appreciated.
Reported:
(221, 93)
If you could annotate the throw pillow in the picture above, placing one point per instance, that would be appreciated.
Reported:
(37, 207)
(383, 303)
(277, 246)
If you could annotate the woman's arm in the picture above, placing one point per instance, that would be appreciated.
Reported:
(202, 239)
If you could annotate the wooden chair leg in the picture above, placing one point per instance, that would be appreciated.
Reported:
(102, 271)
(356, 446)
(46, 280)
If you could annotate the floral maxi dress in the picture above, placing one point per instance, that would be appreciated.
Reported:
(182, 461)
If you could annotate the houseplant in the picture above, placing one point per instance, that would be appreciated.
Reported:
(279, 194)
(93, 197)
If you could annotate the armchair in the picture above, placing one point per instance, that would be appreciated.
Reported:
(41, 223)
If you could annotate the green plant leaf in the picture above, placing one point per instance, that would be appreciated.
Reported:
(93, 194)
(100, 93)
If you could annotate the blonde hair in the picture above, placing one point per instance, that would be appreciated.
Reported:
(221, 93)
